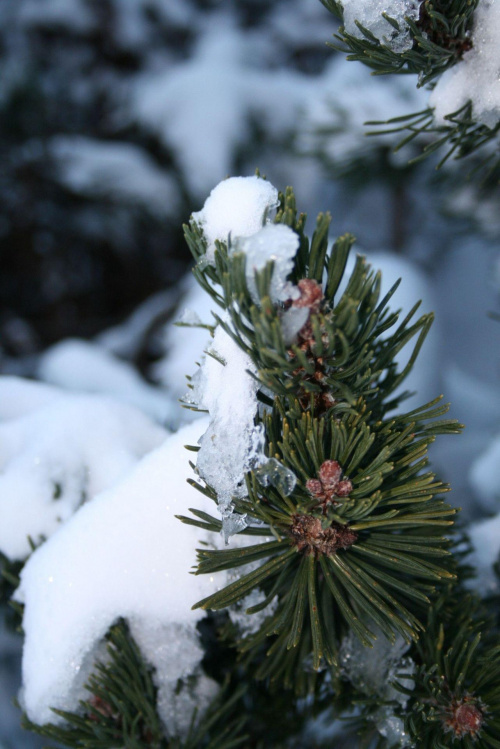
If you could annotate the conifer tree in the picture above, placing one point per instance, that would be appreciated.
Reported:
(346, 590)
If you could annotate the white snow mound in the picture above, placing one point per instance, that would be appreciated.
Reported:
(238, 207)
(59, 452)
(122, 555)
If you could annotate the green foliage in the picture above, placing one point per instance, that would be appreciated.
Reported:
(121, 709)
(456, 699)
(441, 35)
(371, 555)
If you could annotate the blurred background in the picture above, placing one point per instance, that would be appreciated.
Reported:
(117, 118)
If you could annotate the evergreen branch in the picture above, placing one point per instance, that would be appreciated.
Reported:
(121, 711)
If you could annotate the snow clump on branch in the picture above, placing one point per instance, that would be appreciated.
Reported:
(476, 77)
(369, 15)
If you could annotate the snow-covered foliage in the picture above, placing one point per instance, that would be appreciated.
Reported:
(57, 451)
(475, 78)
(237, 207)
(78, 583)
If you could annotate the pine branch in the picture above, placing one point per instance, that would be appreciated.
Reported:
(121, 709)
(362, 547)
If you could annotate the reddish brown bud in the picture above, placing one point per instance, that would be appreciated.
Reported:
(311, 295)
(329, 474)
(464, 718)
(309, 536)
(344, 488)
(314, 487)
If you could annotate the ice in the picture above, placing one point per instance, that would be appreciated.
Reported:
(59, 452)
(83, 366)
(232, 443)
(103, 168)
(369, 15)
(476, 77)
(275, 242)
(274, 473)
(122, 555)
(238, 207)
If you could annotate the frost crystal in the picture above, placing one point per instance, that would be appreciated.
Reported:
(275, 242)
(477, 77)
(238, 207)
(369, 15)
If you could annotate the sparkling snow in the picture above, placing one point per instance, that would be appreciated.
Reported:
(58, 452)
(238, 207)
(477, 76)
(369, 15)
(122, 555)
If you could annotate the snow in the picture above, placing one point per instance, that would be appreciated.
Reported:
(475, 78)
(79, 582)
(184, 346)
(347, 97)
(58, 452)
(231, 445)
(275, 242)
(369, 15)
(72, 15)
(485, 539)
(484, 476)
(103, 168)
(238, 207)
(83, 366)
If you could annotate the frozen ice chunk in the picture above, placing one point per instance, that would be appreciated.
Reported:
(123, 555)
(275, 242)
(231, 445)
(238, 207)
(476, 77)
(60, 453)
(369, 14)
(274, 473)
